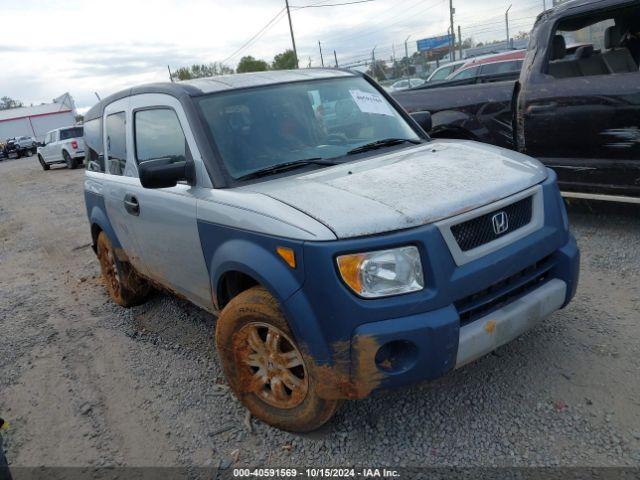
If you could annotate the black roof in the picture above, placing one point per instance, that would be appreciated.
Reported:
(202, 86)
(583, 6)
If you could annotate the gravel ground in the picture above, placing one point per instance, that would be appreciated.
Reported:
(86, 383)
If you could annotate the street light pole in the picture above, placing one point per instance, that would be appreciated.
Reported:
(452, 49)
(321, 57)
(406, 54)
(373, 62)
(506, 17)
(293, 39)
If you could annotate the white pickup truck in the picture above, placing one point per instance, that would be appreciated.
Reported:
(63, 145)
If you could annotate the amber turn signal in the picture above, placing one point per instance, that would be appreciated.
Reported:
(288, 255)
(349, 266)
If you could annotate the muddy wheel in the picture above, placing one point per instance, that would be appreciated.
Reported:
(265, 367)
(125, 286)
(71, 162)
(42, 163)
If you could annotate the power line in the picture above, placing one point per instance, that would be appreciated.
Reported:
(372, 28)
(317, 5)
(261, 32)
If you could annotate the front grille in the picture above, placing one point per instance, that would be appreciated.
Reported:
(482, 303)
(480, 230)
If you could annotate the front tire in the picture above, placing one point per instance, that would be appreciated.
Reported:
(125, 286)
(71, 162)
(43, 163)
(264, 366)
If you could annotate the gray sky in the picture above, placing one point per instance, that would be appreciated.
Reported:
(81, 46)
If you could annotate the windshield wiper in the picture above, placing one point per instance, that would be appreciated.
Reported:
(387, 142)
(283, 167)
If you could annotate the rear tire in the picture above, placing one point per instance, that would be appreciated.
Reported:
(125, 286)
(28, 153)
(264, 366)
(71, 162)
(43, 163)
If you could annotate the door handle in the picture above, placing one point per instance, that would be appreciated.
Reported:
(542, 108)
(131, 204)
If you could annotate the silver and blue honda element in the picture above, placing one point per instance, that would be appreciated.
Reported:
(341, 248)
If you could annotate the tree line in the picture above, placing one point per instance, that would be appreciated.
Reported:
(7, 103)
(282, 61)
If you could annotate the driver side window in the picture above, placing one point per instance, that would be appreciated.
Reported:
(159, 135)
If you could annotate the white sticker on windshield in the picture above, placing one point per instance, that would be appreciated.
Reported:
(371, 103)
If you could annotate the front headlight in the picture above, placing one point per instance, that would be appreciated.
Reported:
(383, 273)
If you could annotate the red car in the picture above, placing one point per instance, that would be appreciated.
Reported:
(490, 64)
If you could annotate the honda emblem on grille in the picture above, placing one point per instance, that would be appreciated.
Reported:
(500, 223)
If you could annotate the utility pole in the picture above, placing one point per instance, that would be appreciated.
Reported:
(393, 59)
(544, 5)
(335, 55)
(170, 75)
(321, 57)
(506, 17)
(406, 54)
(373, 62)
(460, 41)
(452, 49)
(293, 39)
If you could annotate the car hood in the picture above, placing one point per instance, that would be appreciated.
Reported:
(406, 188)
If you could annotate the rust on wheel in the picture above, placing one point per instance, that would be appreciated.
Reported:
(272, 367)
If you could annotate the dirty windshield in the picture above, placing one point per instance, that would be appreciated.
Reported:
(265, 127)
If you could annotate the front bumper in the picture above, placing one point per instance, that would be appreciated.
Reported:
(364, 345)
(500, 327)
(426, 346)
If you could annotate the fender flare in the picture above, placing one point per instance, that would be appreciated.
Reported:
(258, 262)
(98, 218)
(285, 284)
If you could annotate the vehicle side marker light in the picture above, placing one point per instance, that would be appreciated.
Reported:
(288, 255)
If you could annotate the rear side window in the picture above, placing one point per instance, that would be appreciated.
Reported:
(117, 143)
(71, 133)
(94, 145)
(441, 74)
(470, 72)
(502, 67)
(158, 135)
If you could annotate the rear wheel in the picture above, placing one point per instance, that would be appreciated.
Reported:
(71, 162)
(265, 368)
(28, 153)
(125, 286)
(43, 163)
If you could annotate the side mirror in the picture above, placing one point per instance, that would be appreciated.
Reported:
(41, 144)
(423, 119)
(163, 174)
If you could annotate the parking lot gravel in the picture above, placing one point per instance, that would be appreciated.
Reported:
(84, 382)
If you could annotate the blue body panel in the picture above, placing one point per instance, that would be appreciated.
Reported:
(327, 319)
(97, 214)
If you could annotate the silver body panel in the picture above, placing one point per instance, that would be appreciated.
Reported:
(162, 242)
(500, 327)
(258, 213)
(406, 188)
